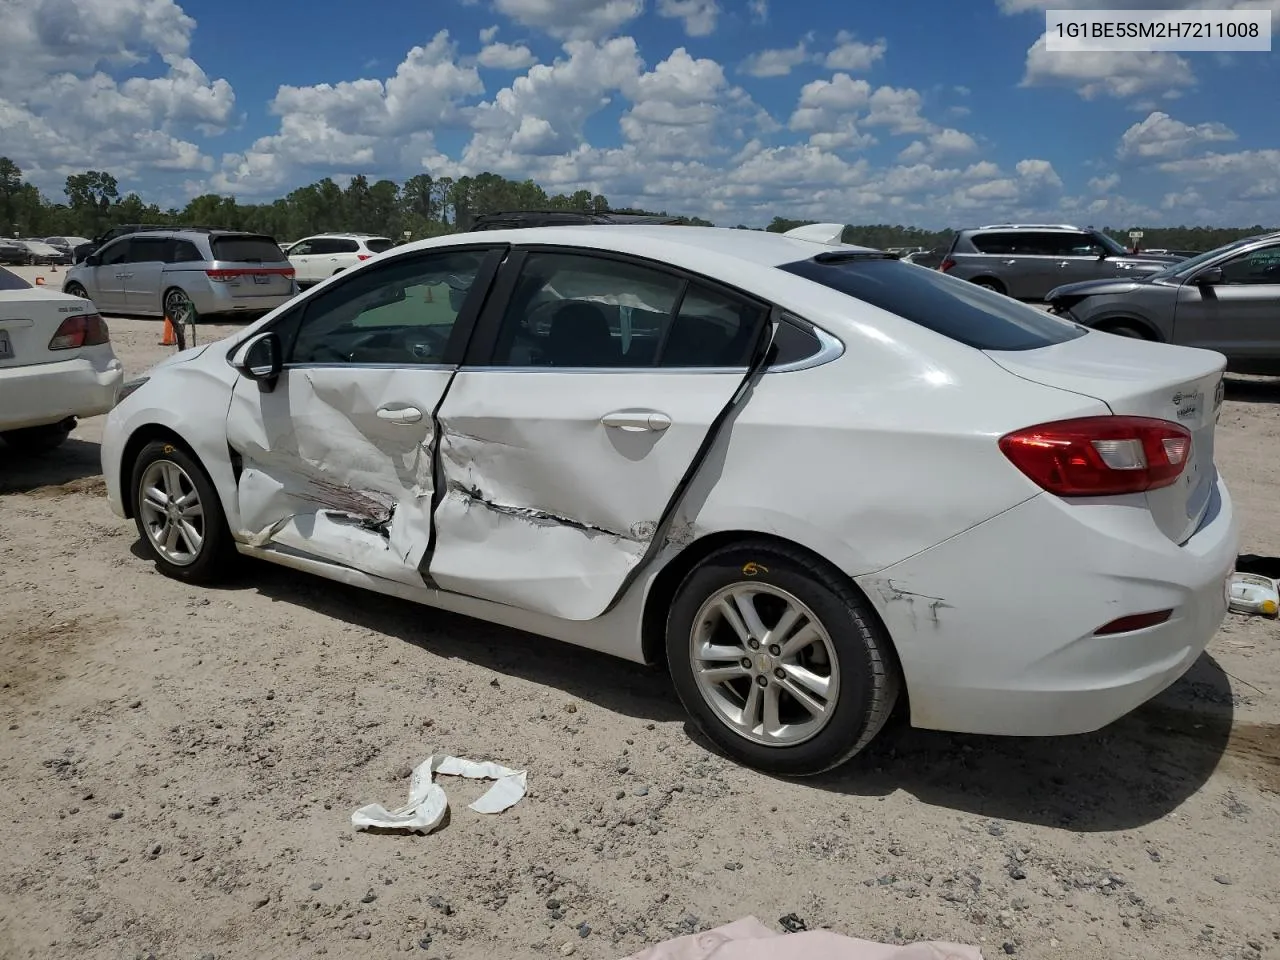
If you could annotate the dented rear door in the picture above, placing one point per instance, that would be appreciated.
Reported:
(335, 459)
(561, 454)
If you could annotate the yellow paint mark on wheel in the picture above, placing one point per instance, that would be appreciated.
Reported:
(752, 569)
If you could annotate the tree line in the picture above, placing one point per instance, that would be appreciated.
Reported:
(422, 206)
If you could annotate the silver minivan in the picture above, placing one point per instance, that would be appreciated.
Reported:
(167, 272)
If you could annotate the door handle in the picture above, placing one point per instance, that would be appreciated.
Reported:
(1010, 263)
(637, 421)
(1064, 263)
(400, 414)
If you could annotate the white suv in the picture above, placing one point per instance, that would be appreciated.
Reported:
(320, 257)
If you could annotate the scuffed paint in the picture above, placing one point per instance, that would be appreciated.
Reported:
(891, 593)
(542, 517)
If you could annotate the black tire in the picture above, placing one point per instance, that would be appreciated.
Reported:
(1126, 330)
(868, 677)
(986, 283)
(217, 554)
(74, 289)
(175, 300)
(38, 439)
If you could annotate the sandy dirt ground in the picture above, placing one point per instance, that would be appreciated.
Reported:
(178, 767)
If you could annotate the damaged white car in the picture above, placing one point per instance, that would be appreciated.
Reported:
(809, 477)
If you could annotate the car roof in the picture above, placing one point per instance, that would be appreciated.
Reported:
(754, 246)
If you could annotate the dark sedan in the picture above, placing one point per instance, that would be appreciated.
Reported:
(1226, 300)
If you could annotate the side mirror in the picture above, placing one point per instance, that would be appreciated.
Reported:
(93, 260)
(1209, 278)
(260, 358)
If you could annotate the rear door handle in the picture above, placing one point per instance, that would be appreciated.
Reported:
(1064, 263)
(400, 414)
(1010, 263)
(636, 421)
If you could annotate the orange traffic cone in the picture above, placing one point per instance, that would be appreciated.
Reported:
(53, 268)
(39, 281)
(170, 337)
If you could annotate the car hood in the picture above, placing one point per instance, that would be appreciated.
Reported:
(1093, 288)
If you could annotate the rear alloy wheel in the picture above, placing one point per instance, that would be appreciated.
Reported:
(76, 290)
(179, 516)
(991, 285)
(177, 306)
(39, 439)
(779, 660)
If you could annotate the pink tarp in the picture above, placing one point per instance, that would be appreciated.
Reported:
(749, 939)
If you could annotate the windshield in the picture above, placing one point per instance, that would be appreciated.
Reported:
(11, 281)
(1194, 262)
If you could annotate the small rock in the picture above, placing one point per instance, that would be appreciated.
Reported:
(424, 941)
(567, 950)
(584, 930)
(115, 814)
(135, 705)
(1224, 880)
(553, 904)
(360, 935)
(557, 914)
(620, 795)
(208, 956)
(261, 902)
(1017, 873)
(1009, 948)
(155, 850)
(641, 791)
(317, 885)
(623, 768)
(570, 708)
(996, 829)
(369, 897)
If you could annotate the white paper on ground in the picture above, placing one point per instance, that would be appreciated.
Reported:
(427, 800)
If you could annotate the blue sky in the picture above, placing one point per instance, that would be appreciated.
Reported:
(921, 111)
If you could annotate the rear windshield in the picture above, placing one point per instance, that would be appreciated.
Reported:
(11, 281)
(378, 244)
(954, 308)
(247, 250)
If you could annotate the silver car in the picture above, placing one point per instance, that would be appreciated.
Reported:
(169, 272)
(1027, 260)
(1226, 300)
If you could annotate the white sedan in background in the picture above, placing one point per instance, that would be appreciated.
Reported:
(806, 476)
(56, 364)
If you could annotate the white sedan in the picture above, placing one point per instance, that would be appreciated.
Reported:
(56, 364)
(808, 477)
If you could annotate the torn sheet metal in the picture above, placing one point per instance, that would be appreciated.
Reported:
(749, 939)
(545, 507)
(428, 803)
(322, 473)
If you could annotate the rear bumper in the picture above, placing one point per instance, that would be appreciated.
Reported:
(218, 298)
(46, 393)
(996, 628)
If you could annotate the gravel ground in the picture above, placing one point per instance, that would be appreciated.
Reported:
(178, 767)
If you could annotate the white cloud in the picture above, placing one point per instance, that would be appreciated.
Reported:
(947, 142)
(1104, 184)
(504, 56)
(488, 34)
(699, 16)
(759, 10)
(1160, 137)
(572, 19)
(775, 63)
(898, 109)
(1115, 74)
(1233, 183)
(825, 103)
(63, 111)
(851, 54)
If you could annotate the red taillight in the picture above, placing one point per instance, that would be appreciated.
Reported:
(82, 330)
(235, 273)
(1100, 456)
(946, 264)
(363, 256)
(1135, 621)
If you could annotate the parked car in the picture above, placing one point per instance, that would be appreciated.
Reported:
(808, 476)
(1027, 260)
(167, 272)
(56, 364)
(518, 219)
(40, 253)
(66, 245)
(13, 252)
(926, 258)
(83, 250)
(320, 257)
(1226, 300)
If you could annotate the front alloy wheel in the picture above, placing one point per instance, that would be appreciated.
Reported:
(178, 514)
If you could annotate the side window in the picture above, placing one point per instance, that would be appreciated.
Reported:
(115, 253)
(401, 313)
(302, 248)
(1080, 245)
(147, 250)
(1044, 244)
(573, 310)
(346, 246)
(183, 251)
(994, 242)
(793, 343)
(1259, 266)
(323, 246)
(710, 330)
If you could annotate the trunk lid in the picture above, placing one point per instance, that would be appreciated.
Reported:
(251, 266)
(29, 319)
(1138, 378)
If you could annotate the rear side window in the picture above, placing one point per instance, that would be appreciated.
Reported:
(346, 246)
(11, 281)
(994, 242)
(378, 244)
(247, 250)
(961, 311)
(183, 251)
